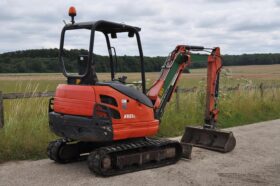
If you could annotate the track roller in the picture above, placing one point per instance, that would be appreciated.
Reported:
(134, 156)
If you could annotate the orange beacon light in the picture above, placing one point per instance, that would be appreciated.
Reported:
(72, 13)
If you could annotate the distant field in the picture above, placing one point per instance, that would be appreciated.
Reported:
(26, 133)
(49, 81)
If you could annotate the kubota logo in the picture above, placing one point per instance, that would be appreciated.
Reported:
(129, 116)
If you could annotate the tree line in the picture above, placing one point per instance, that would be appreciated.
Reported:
(46, 60)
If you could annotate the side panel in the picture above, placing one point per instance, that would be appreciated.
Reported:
(133, 120)
(134, 130)
(74, 100)
(131, 110)
(136, 119)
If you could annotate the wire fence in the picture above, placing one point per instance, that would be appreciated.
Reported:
(178, 91)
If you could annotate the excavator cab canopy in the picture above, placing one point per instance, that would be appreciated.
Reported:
(86, 61)
(103, 26)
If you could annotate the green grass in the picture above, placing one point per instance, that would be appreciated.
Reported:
(236, 108)
(26, 133)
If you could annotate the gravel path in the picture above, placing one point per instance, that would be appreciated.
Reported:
(255, 161)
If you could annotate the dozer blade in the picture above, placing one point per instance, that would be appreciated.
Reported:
(217, 140)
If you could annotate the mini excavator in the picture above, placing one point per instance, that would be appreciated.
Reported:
(112, 124)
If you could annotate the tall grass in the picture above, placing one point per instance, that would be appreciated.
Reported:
(236, 108)
(26, 133)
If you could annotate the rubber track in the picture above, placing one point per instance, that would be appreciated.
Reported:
(95, 158)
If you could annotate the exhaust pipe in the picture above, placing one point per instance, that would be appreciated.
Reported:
(216, 140)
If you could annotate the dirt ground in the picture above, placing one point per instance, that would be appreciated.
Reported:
(255, 161)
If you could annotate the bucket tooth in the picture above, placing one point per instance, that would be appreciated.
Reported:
(217, 140)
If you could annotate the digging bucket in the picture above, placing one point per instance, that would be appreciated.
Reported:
(216, 140)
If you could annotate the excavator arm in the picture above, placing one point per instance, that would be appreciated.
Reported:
(162, 90)
(209, 137)
(214, 67)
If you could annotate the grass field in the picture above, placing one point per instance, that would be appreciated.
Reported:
(26, 133)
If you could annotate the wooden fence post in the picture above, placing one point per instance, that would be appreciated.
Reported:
(177, 107)
(1, 111)
(261, 89)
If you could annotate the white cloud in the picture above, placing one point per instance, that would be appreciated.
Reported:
(240, 26)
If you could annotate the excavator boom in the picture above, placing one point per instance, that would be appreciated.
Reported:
(161, 91)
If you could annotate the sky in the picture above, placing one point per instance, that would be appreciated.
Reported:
(237, 26)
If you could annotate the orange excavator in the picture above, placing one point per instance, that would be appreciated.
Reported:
(112, 124)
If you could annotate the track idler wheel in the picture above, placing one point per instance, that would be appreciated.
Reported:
(61, 152)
